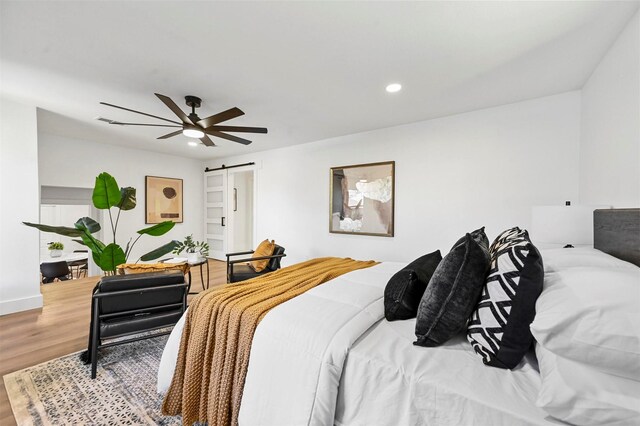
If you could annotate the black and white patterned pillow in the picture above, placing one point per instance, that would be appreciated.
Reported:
(498, 329)
(504, 237)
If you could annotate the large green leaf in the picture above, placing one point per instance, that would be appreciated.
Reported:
(95, 245)
(127, 198)
(60, 230)
(106, 192)
(96, 259)
(88, 224)
(160, 251)
(112, 256)
(159, 229)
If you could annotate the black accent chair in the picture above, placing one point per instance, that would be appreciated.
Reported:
(125, 305)
(238, 270)
(52, 271)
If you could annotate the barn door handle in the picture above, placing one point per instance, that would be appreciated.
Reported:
(235, 199)
(222, 220)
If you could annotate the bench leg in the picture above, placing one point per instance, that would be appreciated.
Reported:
(95, 341)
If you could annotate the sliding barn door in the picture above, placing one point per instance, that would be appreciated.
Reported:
(215, 213)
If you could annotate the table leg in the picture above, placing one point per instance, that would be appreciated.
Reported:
(207, 274)
(189, 285)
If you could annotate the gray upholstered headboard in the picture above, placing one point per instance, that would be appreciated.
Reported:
(617, 232)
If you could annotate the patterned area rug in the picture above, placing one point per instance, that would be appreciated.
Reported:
(61, 392)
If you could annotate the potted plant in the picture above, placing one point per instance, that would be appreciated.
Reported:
(55, 249)
(196, 250)
(107, 195)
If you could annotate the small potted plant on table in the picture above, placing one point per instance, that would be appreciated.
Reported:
(195, 250)
(55, 249)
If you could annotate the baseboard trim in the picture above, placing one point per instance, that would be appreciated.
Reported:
(19, 305)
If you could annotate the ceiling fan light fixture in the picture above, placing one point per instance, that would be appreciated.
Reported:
(191, 132)
(394, 87)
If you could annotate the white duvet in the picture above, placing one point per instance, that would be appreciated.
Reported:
(326, 358)
(301, 346)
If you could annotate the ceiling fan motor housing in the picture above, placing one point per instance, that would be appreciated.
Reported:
(193, 101)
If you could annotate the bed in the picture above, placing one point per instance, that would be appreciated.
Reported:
(328, 357)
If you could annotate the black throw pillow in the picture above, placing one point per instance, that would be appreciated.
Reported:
(452, 293)
(404, 290)
(498, 329)
(479, 237)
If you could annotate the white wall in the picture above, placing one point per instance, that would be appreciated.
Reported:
(610, 141)
(453, 174)
(75, 163)
(19, 192)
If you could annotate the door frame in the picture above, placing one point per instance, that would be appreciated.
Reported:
(228, 202)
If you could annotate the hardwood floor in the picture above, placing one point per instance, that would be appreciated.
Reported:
(59, 328)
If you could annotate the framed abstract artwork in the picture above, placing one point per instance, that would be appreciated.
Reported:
(361, 199)
(163, 199)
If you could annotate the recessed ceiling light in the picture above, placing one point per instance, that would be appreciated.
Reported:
(394, 87)
(192, 143)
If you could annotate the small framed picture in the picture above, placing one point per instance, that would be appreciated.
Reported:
(362, 199)
(163, 199)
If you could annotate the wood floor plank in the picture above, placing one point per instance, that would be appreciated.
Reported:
(60, 327)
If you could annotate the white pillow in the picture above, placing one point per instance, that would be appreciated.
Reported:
(580, 395)
(592, 315)
(556, 259)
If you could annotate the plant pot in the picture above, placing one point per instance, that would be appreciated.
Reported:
(194, 257)
(55, 253)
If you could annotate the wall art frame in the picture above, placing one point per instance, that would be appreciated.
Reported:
(362, 199)
(164, 199)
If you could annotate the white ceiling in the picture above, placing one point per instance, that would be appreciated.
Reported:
(306, 70)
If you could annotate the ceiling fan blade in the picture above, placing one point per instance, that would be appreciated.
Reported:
(207, 141)
(228, 137)
(175, 108)
(138, 112)
(220, 117)
(120, 123)
(238, 129)
(170, 135)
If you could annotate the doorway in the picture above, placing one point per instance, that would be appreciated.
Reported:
(242, 211)
(230, 210)
(60, 215)
(62, 206)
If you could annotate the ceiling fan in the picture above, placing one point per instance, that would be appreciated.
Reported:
(193, 126)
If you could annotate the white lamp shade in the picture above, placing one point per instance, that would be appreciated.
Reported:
(561, 225)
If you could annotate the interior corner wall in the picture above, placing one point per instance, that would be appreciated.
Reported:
(19, 192)
(453, 175)
(610, 129)
(66, 162)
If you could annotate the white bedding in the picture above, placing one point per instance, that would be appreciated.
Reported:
(301, 345)
(328, 357)
(296, 375)
(388, 381)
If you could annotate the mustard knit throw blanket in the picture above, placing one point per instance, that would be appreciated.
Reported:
(214, 350)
